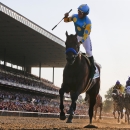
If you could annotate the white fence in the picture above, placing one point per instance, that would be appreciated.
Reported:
(34, 114)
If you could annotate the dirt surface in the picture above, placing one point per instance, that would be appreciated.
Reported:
(56, 124)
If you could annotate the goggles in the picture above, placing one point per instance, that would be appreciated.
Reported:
(79, 11)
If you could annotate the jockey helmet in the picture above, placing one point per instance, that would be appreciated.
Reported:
(117, 82)
(84, 8)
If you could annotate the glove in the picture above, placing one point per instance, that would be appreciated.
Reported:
(66, 15)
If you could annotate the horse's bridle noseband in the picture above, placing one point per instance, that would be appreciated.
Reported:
(72, 50)
(75, 54)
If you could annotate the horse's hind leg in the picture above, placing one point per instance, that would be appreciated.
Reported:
(62, 114)
(91, 107)
(100, 116)
(95, 112)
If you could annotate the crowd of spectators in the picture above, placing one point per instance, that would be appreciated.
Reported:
(33, 82)
(18, 101)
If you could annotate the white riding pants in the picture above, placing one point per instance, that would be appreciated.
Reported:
(87, 45)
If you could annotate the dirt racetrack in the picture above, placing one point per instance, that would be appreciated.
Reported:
(56, 124)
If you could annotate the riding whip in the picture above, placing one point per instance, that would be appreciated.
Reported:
(61, 20)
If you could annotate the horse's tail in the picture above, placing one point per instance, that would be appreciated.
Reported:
(99, 67)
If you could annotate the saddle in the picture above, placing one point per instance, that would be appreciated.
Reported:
(96, 75)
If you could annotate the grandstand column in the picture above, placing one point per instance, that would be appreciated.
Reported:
(11, 64)
(24, 65)
(40, 70)
(4, 58)
(28, 69)
(53, 76)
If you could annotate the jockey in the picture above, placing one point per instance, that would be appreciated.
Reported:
(128, 82)
(119, 86)
(83, 28)
(127, 86)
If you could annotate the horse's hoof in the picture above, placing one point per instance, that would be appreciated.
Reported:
(68, 121)
(90, 126)
(71, 112)
(62, 117)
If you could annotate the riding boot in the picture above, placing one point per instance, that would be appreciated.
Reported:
(92, 67)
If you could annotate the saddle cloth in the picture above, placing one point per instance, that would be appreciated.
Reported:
(96, 75)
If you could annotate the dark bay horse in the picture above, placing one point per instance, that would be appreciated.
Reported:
(118, 103)
(76, 78)
(98, 104)
(127, 107)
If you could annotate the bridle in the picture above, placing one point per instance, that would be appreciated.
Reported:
(74, 54)
(73, 51)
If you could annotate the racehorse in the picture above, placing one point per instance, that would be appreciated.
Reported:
(76, 79)
(98, 104)
(118, 104)
(127, 103)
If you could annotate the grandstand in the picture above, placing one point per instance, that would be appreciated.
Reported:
(25, 44)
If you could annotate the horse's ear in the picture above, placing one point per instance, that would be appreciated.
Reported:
(66, 33)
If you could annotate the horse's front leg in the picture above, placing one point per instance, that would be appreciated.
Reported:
(119, 116)
(126, 116)
(62, 113)
(114, 114)
(122, 114)
(74, 97)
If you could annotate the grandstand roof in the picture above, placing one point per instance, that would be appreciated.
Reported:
(20, 37)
